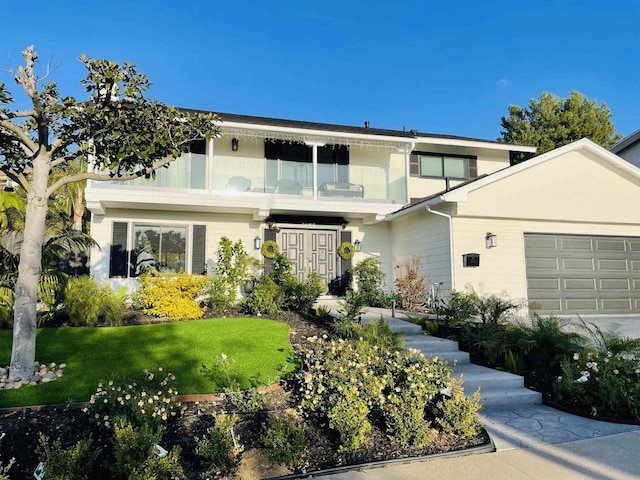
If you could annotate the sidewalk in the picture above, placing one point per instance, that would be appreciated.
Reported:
(532, 442)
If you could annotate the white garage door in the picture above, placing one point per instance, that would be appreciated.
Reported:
(583, 274)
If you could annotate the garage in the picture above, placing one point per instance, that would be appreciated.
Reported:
(568, 274)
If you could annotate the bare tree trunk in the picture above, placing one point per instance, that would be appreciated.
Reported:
(23, 353)
(78, 207)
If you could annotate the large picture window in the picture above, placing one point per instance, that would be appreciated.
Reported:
(159, 248)
(443, 166)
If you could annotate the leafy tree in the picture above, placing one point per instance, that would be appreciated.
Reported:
(550, 122)
(118, 132)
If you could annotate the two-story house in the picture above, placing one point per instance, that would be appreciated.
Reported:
(454, 202)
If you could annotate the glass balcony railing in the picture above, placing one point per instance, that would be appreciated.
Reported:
(187, 171)
(233, 175)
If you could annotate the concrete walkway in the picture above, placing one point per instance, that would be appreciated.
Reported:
(532, 441)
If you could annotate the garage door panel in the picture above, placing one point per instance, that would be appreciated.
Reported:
(610, 245)
(546, 242)
(576, 244)
(544, 264)
(576, 264)
(615, 304)
(580, 284)
(579, 304)
(545, 284)
(546, 304)
(583, 274)
(621, 265)
(614, 284)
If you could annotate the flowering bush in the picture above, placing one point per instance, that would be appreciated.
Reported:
(601, 383)
(458, 414)
(172, 295)
(144, 400)
(350, 383)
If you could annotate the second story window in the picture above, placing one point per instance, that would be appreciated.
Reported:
(437, 165)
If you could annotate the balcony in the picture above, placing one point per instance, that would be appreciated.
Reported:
(344, 182)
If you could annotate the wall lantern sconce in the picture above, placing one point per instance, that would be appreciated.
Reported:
(358, 245)
(235, 143)
(257, 243)
(491, 240)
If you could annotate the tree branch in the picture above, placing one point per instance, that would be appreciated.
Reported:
(21, 134)
(105, 177)
(15, 176)
(27, 78)
(21, 114)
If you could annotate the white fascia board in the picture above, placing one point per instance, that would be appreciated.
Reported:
(456, 142)
(310, 132)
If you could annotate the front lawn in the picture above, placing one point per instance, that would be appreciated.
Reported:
(258, 353)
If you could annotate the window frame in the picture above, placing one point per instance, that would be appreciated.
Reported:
(470, 170)
(187, 238)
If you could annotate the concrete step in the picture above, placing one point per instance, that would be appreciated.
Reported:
(453, 357)
(426, 343)
(476, 376)
(508, 396)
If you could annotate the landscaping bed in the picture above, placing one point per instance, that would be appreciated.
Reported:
(21, 429)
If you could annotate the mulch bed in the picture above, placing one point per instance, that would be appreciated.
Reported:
(20, 430)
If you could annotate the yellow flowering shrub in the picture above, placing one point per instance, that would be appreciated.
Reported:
(173, 295)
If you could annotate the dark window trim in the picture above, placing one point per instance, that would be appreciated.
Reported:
(442, 156)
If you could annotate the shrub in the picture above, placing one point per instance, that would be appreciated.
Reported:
(323, 313)
(62, 463)
(459, 414)
(231, 270)
(410, 284)
(459, 308)
(404, 420)
(173, 295)
(348, 417)
(85, 303)
(286, 440)
(266, 298)
(218, 451)
(495, 309)
(600, 383)
(377, 333)
(141, 400)
(349, 382)
(6, 307)
(281, 270)
(133, 446)
(352, 306)
(134, 449)
(370, 279)
(300, 296)
(246, 401)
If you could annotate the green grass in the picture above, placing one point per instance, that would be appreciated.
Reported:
(258, 350)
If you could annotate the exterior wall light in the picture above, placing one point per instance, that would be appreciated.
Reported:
(491, 240)
(235, 143)
(257, 243)
(358, 245)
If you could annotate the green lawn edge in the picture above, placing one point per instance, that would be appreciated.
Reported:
(258, 351)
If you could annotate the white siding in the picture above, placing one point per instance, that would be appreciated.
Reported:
(426, 236)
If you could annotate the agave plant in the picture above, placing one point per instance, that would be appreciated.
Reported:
(53, 280)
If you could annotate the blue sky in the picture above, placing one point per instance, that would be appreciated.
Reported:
(441, 67)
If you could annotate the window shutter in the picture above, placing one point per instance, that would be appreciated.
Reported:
(473, 168)
(198, 249)
(414, 165)
(118, 255)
